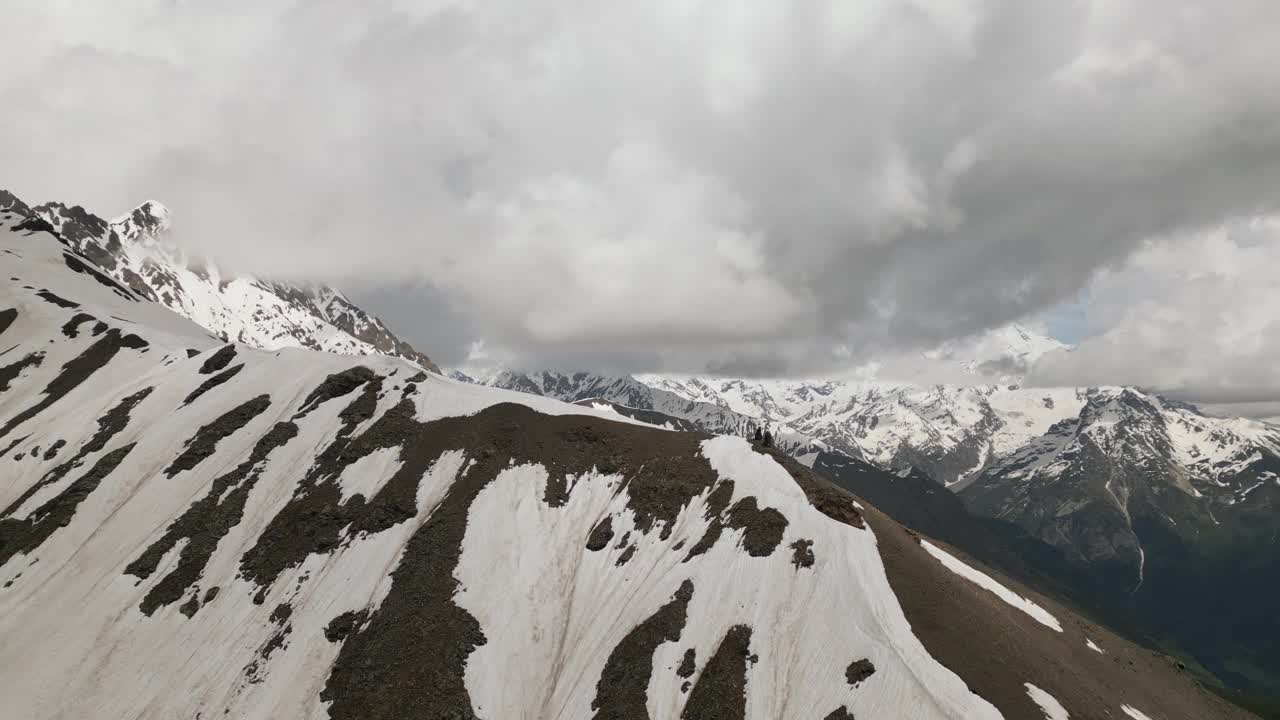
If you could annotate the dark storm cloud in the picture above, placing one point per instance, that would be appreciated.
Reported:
(660, 184)
(421, 315)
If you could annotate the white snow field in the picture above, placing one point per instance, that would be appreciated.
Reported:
(807, 627)
(1053, 709)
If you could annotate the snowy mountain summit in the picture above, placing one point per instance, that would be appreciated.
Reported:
(134, 249)
(191, 528)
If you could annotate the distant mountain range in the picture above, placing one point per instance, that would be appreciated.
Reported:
(197, 528)
(1140, 507)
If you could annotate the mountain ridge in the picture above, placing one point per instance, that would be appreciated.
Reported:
(301, 534)
(134, 250)
(1109, 485)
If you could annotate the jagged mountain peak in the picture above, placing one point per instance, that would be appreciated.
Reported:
(147, 220)
(137, 250)
(1003, 354)
(73, 222)
(1208, 452)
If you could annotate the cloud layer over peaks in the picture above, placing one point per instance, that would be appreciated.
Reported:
(786, 184)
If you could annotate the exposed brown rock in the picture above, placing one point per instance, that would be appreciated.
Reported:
(71, 327)
(26, 534)
(802, 554)
(10, 372)
(205, 441)
(858, 671)
(688, 664)
(56, 300)
(218, 360)
(721, 690)
(762, 528)
(213, 382)
(601, 534)
(204, 524)
(622, 691)
(109, 425)
(76, 371)
(341, 626)
(335, 386)
(7, 316)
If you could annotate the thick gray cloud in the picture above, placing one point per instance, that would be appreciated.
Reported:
(1195, 316)
(784, 184)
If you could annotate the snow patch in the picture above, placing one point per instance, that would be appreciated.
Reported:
(1245, 493)
(367, 475)
(1134, 713)
(1094, 646)
(1053, 709)
(807, 459)
(981, 579)
(1142, 568)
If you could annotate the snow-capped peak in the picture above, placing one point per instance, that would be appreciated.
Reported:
(149, 218)
(136, 250)
(1003, 354)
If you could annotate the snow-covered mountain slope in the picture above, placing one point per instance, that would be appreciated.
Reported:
(1113, 495)
(192, 529)
(134, 250)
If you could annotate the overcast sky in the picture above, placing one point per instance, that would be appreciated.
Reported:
(771, 187)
